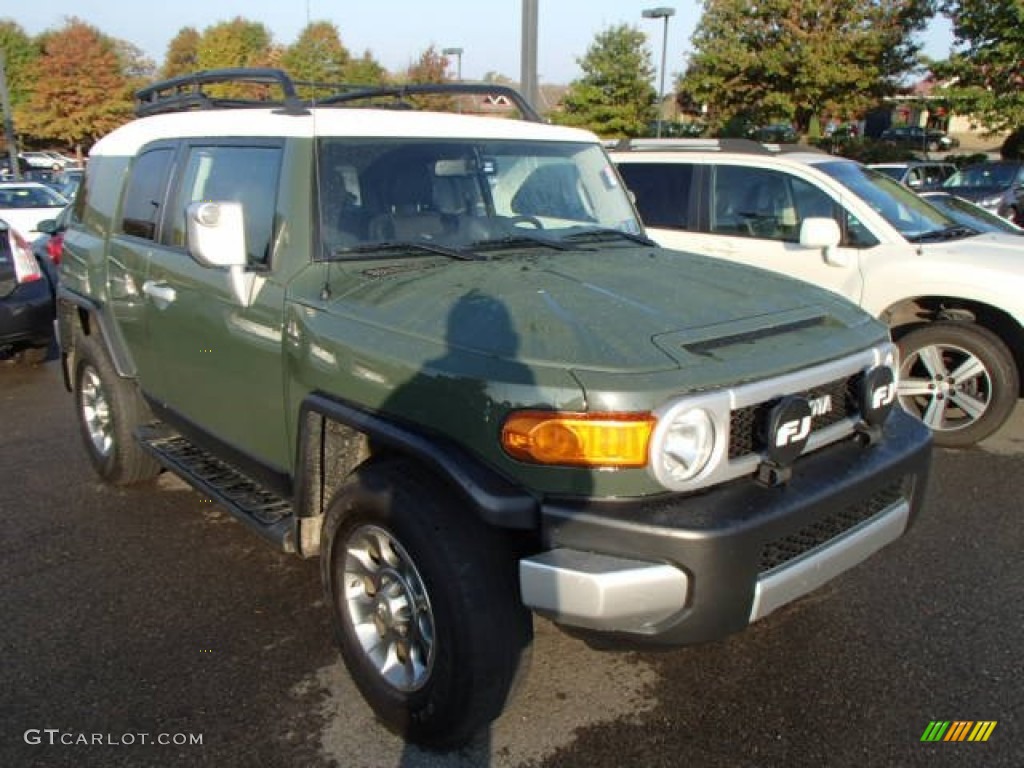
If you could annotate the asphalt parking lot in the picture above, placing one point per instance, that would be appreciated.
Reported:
(148, 614)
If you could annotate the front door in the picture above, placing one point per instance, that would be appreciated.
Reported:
(220, 355)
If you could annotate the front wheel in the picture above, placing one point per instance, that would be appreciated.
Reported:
(425, 604)
(959, 379)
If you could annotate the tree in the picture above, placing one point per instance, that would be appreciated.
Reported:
(79, 88)
(19, 52)
(365, 71)
(614, 98)
(784, 59)
(431, 67)
(987, 65)
(138, 68)
(316, 56)
(235, 43)
(182, 54)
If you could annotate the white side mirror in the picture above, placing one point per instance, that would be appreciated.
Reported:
(216, 238)
(216, 234)
(823, 234)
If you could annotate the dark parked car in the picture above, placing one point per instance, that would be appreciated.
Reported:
(914, 137)
(997, 187)
(26, 300)
(917, 175)
(970, 214)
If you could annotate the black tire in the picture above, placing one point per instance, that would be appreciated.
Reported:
(961, 409)
(109, 409)
(467, 629)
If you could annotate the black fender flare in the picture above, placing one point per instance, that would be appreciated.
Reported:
(497, 500)
(119, 355)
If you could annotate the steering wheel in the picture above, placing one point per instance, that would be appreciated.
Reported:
(531, 220)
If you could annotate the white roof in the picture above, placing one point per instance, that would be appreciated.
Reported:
(370, 123)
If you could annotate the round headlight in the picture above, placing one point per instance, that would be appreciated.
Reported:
(684, 443)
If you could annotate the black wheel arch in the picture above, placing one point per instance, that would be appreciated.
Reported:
(335, 437)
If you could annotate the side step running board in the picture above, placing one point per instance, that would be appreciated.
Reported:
(260, 510)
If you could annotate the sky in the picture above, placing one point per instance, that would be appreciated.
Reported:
(396, 32)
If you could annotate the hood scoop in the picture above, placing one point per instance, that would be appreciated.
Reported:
(708, 347)
(777, 332)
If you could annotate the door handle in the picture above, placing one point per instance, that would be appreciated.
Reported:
(161, 292)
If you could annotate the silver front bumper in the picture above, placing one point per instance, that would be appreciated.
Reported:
(602, 592)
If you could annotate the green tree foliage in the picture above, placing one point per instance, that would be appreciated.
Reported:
(365, 71)
(317, 56)
(235, 43)
(182, 54)
(790, 59)
(987, 62)
(79, 88)
(614, 98)
(20, 53)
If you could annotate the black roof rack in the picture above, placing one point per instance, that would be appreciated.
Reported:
(399, 93)
(180, 94)
(184, 93)
(745, 146)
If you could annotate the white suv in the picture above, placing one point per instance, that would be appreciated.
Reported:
(953, 297)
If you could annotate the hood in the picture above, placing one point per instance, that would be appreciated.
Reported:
(615, 310)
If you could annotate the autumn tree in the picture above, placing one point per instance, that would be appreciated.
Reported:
(793, 60)
(316, 56)
(987, 64)
(19, 52)
(182, 54)
(614, 98)
(79, 90)
(430, 67)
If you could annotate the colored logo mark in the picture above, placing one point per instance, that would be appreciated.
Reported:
(958, 730)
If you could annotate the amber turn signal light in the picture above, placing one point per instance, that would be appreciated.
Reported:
(578, 439)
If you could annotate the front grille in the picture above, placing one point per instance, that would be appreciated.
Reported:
(783, 550)
(745, 424)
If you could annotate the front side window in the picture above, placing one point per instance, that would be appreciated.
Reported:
(221, 173)
(462, 193)
(763, 203)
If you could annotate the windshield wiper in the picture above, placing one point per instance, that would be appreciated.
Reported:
(518, 241)
(949, 233)
(607, 233)
(410, 247)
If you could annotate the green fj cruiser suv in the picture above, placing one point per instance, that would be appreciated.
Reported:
(438, 352)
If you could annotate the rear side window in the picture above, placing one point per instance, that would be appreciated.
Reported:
(222, 173)
(662, 192)
(144, 195)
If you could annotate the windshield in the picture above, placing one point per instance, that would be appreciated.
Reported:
(985, 175)
(460, 194)
(914, 218)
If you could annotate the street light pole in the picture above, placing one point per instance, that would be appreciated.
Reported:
(661, 13)
(457, 53)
